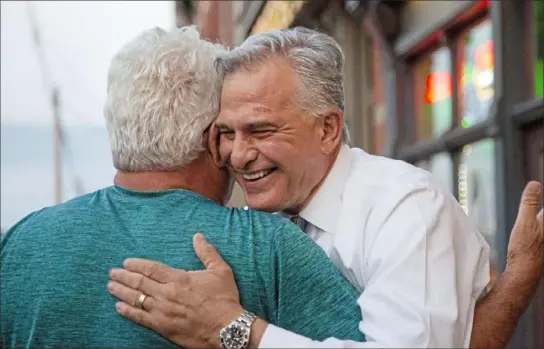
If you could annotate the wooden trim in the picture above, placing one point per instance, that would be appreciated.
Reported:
(527, 113)
(449, 142)
(461, 23)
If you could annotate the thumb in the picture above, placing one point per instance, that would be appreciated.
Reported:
(530, 202)
(207, 254)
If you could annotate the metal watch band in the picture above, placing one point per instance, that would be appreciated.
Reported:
(247, 318)
(243, 322)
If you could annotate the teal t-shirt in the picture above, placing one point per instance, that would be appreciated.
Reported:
(55, 265)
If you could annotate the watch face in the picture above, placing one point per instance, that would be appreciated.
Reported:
(234, 337)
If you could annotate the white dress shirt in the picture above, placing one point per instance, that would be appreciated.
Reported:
(406, 244)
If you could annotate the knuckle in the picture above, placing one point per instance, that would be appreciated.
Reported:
(171, 291)
(151, 269)
(209, 249)
(226, 271)
(139, 281)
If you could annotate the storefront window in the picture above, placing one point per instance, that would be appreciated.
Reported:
(441, 167)
(476, 85)
(538, 12)
(432, 88)
(379, 111)
(476, 187)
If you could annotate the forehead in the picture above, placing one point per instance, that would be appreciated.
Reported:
(268, 87)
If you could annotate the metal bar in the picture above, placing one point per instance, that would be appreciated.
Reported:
(449, 142)
(57, 129)
(508, 23)
(527, 112)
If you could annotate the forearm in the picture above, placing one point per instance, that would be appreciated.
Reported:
(496, 315)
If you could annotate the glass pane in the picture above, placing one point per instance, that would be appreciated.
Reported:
(477, 66)
(538, 11)
(476, 184)
(432, 88)
(379, 110)
(441, 166)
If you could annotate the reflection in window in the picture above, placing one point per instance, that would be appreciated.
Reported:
(538, 12)
(379, 110)
(432, 88)
(476, 85)
(441, 167)
(476, 187)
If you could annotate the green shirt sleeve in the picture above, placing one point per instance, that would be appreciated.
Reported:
(313, 298)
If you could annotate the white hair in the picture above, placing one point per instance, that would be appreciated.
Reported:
(163, 92)
(316, 58)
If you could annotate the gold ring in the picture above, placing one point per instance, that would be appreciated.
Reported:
(141, 300)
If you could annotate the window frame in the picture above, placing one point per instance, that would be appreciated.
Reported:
(512, 109)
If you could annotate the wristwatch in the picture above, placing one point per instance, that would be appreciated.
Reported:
(236, 334)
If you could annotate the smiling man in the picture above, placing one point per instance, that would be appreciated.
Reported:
(387, 225)
(393, 231)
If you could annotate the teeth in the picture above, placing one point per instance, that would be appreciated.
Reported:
(256, 175)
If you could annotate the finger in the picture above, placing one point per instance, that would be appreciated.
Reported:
(153, 270)
(207, 254)
(137, 315)
(130, 296)
(136, 282)
(530, 203)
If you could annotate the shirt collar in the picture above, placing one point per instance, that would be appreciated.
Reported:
(324, 208)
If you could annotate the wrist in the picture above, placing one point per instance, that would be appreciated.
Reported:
(237, 317)
(520, 271)
(223, 321)
(257, 331)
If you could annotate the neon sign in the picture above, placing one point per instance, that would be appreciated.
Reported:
(484, 70)
(438, 87)
(480, 74)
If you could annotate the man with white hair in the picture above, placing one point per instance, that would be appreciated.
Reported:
(162, 97)
(395, 233)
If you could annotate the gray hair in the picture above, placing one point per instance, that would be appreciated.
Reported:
(163, 92)
(316, 57)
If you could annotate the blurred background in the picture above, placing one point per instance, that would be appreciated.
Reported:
(454, 87)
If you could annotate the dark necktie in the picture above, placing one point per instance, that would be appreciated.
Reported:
(299, 221)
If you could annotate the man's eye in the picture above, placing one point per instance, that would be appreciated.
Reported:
(226, 134)
(262, 132)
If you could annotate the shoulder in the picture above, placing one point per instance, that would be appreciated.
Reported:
(391, 193)
(43, 222)
(388, 181)
(262, 221)
(278, 230)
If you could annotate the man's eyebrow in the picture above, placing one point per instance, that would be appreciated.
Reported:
(259, 125)
(222, 126)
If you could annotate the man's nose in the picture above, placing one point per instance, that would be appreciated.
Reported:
(243, 152)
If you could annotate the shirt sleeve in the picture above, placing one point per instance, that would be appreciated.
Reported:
(425, 266)
(313, 298)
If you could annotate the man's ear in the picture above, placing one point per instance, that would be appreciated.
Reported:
(332, 124)
(213, 146)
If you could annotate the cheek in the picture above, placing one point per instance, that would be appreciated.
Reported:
(279, 153)
(225, 148)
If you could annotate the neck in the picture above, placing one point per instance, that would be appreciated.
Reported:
(296, 210)
(155, 181)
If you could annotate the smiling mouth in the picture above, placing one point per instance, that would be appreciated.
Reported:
(255, 176)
